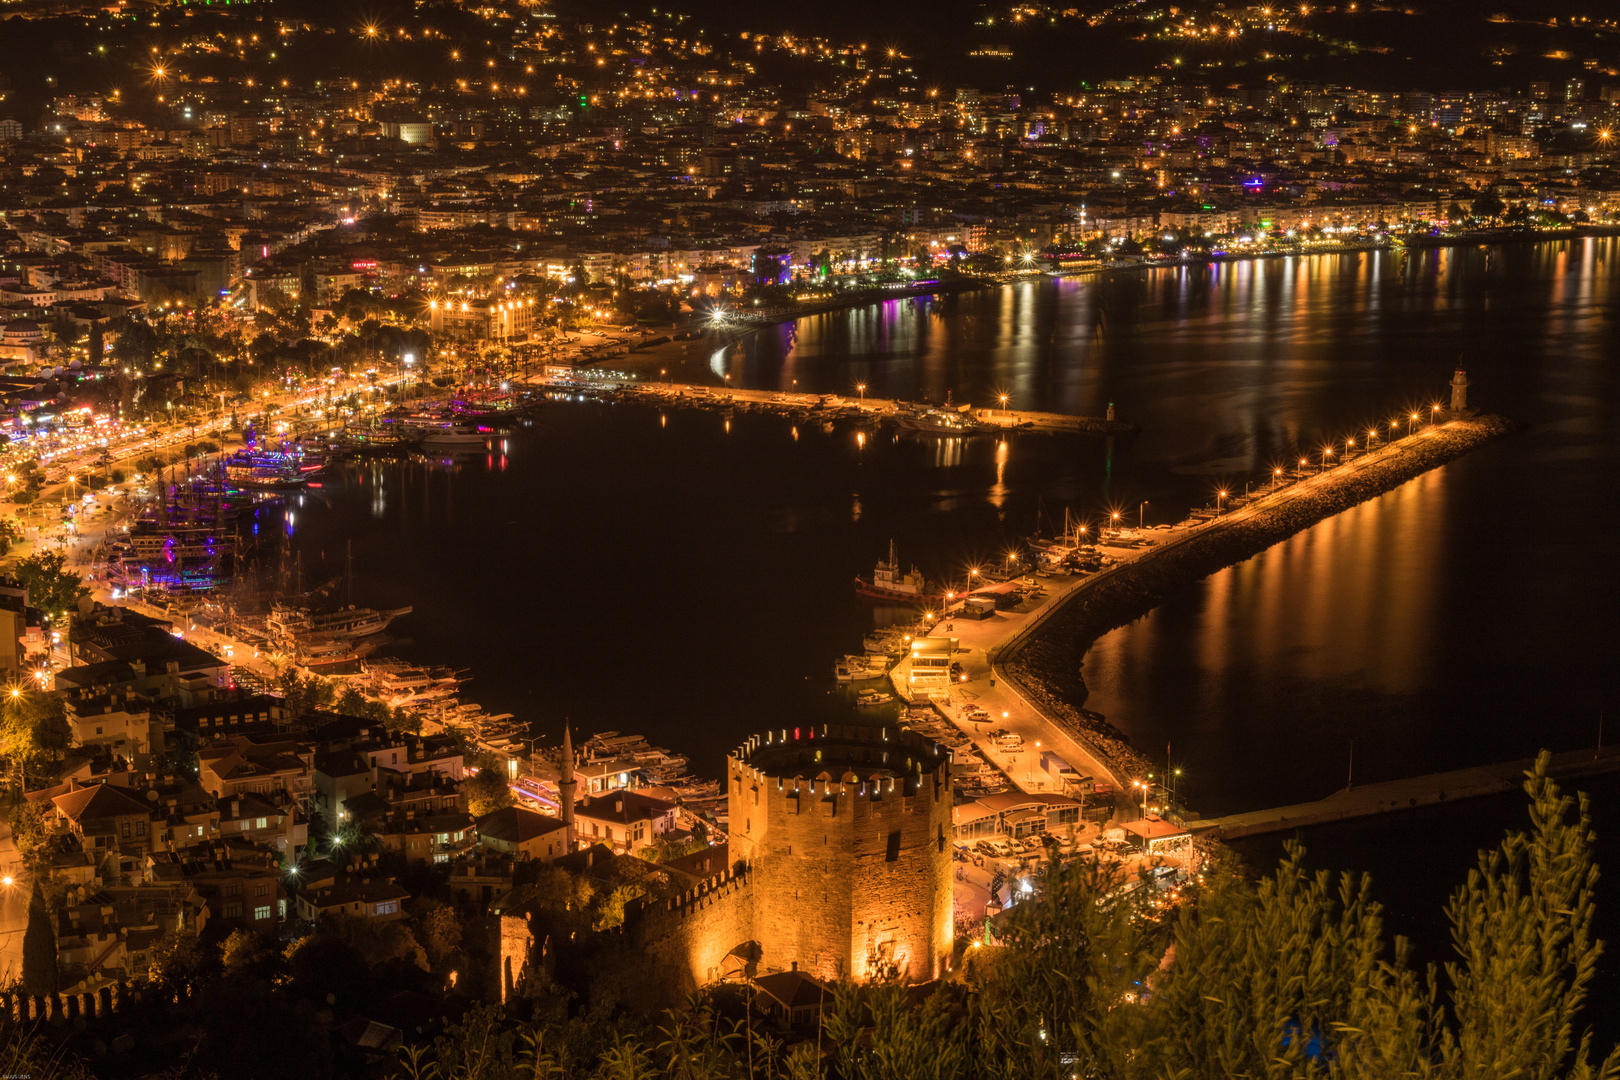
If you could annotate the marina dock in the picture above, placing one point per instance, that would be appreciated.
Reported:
(1396, 795)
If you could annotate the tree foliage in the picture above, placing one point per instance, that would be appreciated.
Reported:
(34, 732)
(1286, 977)
(487, 792)
(52, 587)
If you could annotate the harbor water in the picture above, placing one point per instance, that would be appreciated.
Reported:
(687, 575)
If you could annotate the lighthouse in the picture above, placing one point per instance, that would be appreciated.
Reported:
(1459, 391)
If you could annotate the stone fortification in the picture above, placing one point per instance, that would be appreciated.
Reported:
(847, 833)
(841, 842)
(670, 947)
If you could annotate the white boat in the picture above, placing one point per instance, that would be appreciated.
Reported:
(869, 698)
(856, 669)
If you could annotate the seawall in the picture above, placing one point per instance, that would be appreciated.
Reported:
(1045, 662)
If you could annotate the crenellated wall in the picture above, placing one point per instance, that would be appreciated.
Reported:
(668, 948)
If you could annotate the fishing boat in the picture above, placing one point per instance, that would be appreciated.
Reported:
(888, 583)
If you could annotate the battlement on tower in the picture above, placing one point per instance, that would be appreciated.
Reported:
(842, 753)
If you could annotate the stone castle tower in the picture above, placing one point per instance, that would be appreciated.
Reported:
(840, 864)
(846, 832)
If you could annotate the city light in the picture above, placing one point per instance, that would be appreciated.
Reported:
(332, 377)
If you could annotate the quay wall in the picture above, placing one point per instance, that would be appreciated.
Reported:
(1045, 663)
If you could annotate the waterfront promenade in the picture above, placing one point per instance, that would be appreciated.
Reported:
(1295, 501)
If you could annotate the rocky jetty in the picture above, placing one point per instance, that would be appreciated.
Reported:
(1045, 663)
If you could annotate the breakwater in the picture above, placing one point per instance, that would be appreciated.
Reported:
(1045, 662)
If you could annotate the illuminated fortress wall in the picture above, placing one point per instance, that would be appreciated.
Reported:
(841, 865)
(668, 948)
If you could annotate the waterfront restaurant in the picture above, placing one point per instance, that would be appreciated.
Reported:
(930, 674)
(1014, 813)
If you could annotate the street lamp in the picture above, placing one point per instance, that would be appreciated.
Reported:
(1003, 402)
(1276, 474)
(1141, 515)
(1219, 496)
(860, 388)
(1410, 421)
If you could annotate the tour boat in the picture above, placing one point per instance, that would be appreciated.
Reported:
(333, 657)
(888, 583)
(266, 471)
(456, 435)
(296, 623)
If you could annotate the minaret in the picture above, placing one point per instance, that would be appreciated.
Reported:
(566, 785)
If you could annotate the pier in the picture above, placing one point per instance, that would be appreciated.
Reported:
(1146, 566)
(1394, 796)
(692, 395)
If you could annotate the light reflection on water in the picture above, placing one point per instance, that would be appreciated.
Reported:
(1261, 675)
(1464, 618)
(1446, 624)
